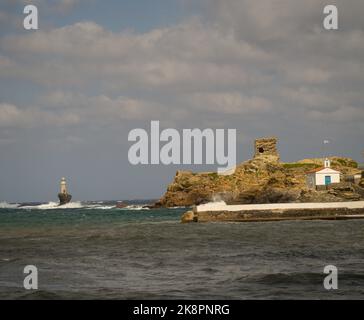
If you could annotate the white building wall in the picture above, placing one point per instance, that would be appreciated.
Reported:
(320, 178)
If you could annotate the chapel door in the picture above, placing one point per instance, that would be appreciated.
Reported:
(327, 180)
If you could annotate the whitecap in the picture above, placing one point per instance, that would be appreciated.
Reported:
(6, 205)
(135, 207)
(102, 207)
(55, 205)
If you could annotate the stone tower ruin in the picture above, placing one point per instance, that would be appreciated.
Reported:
(266, 147)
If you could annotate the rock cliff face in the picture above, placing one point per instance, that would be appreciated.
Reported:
(64, 198)
(263, 179)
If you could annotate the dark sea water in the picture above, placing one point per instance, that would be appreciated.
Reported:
(101, 252)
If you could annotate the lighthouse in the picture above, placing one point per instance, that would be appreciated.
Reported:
(63, 186)
(64, 196)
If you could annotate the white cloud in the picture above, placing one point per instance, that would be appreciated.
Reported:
(103, 109)
(253, 57)
(342, 114)
(13, 116)
(306, 97)
(230, 103)
(187, 55)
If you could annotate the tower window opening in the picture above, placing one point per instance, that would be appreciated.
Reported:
(261, 150)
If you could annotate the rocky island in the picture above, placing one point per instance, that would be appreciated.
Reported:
(265, 179)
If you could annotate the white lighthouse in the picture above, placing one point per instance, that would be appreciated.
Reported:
(63, 186)
(64, 196)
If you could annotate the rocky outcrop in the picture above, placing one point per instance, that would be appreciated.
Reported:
(188, 216)
(361, 183)
(64, 198)
(263, 179)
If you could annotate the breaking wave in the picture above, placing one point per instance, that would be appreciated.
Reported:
(98, 206)
(135, 207)
(54, 205)
(6, 205)
(72, 205)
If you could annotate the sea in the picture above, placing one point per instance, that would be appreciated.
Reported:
(94, 250)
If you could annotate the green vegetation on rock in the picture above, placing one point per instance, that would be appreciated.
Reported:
(294, 165)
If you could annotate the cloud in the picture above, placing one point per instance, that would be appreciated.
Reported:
(68, 109)
(237, 58)
(308, 98)
(180, 57)
(58, 5)
(342, 114)
(65, 5)
(230, 103)
(13, 116)
(9, 114)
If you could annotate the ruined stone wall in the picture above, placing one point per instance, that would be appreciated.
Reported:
(266, 147)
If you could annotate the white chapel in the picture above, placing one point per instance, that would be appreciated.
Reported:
(322, 176)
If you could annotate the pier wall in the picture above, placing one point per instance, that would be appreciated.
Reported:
(275, 212)
(278, 215)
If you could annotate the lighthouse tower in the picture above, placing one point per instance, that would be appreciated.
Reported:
(64, 196)
(63, 186)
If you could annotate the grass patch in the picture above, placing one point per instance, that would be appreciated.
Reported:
(213, 176)
(347, 163)
(295, 165)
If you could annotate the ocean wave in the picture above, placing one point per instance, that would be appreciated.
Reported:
(136, 207)
(54, 205)
(98, 207)
(6, 205)
(108, 207)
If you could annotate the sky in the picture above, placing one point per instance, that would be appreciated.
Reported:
(71, 91)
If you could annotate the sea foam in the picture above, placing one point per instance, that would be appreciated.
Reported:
(54, 205)
(6, 205)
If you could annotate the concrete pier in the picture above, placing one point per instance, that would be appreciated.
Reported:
(220, 211)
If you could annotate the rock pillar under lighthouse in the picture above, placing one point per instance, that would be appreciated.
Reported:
(64, 197)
